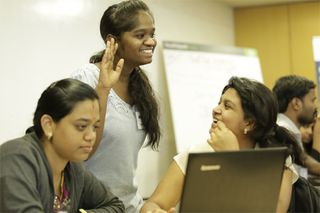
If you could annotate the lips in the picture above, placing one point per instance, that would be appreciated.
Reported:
(147, 51)
(86, 149)
(214, 123)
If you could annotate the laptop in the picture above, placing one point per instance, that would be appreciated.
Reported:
(233, 181)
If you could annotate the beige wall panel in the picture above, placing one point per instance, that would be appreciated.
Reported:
(266, 29)
(304, 23)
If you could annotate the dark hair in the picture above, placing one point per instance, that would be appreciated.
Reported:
(260, 107)
(289, 87)
(144, 99)
(59, 99)
(116, 20)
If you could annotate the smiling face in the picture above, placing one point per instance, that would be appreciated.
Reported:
(136, 47)
(75, 134)
(230, 112)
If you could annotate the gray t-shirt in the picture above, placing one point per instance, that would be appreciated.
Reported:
(115, 161)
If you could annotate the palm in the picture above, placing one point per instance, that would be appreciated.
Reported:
(109, 75)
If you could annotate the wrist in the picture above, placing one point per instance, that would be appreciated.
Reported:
(101, 88)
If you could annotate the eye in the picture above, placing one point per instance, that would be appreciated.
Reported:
(81, 127)
(96, 127)
(152, 35)
(227, 106)
(140, 35)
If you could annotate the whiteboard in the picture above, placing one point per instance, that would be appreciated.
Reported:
(196, 75)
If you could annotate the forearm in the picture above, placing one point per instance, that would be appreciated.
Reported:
(312, 165)
(149, 206)
(103, 94)
(316, 135)
(285, 192)
(168, 192)
(114, 206)
(98, 198)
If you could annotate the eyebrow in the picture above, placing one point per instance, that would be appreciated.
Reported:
(143, 29)
(86, 120)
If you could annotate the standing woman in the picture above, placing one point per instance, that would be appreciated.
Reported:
(128, 105)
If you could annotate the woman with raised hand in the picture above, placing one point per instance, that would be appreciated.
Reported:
(245, 118)
(42, 171)
(128, 104)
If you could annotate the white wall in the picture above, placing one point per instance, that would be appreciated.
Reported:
(45, 40)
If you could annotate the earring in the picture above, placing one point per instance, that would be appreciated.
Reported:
(245, 131)
(49, 136)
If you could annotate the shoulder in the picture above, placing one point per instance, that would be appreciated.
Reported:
(20, 146)
(23, 153)
(182, 158)
(289, 165)
(88, 73)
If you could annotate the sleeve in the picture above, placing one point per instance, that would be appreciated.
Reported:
(18, 182)
(97, 198)
(88, 74)
(289, 165)
(182, 158)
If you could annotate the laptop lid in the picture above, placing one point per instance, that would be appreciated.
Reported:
(233, 181)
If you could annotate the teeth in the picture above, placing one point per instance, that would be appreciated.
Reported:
(215, 120)
(147, 51)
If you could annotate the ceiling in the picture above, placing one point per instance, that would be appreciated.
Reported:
(248, 3)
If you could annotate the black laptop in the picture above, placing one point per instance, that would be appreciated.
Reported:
(233, 181)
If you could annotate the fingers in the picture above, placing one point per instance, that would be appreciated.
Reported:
(105, 62)
(171, 210)
(221, 125)
(109, 55)
(115, 48)
(120, 65)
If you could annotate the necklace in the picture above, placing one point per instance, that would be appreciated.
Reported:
(62, 185)
(58, 199)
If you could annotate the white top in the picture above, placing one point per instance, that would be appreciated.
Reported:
(182, 158)
(284, 121)
(115, 161)
(287, 123)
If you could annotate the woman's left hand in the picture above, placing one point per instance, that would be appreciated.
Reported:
(222, 138)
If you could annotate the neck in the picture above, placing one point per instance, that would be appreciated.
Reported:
(292, 116)
(246, 144)
(57, 165)
(56, 162)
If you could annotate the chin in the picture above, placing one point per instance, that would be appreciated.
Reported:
(80, 159)
(146, 62)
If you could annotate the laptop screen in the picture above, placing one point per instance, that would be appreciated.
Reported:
(233, 181)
